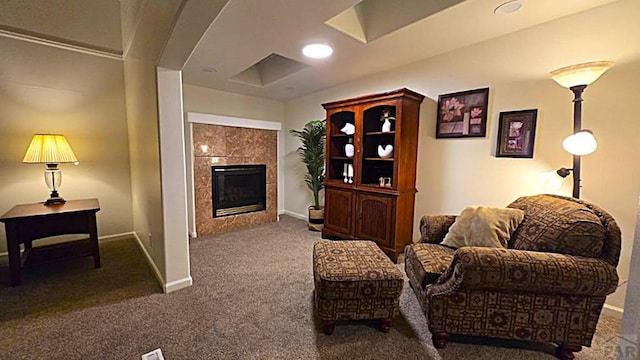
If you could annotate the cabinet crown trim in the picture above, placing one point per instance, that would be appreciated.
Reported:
(404, 92)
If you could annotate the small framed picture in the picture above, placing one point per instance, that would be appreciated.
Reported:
(462, 114)
(516, 133)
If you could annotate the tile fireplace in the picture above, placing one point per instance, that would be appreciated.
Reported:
(220, 147)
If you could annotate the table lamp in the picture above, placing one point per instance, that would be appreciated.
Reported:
(50, 149)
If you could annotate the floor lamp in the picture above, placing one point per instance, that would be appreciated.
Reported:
(582, 142)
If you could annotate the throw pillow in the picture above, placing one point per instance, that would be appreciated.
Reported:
(483, 226)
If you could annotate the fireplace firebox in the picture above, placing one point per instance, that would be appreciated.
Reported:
(238, 189)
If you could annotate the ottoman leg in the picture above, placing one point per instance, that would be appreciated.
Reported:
(385, 324)
(328, 326)
(565, 351)
(440, 340)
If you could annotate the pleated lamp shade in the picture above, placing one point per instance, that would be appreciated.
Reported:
(49, 149)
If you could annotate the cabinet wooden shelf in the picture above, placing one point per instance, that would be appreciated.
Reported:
(364, 209)
(381, 133)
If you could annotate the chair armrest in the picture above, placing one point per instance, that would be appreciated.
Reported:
(530, 271)
(433, 228)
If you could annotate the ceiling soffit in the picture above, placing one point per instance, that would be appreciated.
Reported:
(247, 31)
(369, 20)
(268, 70)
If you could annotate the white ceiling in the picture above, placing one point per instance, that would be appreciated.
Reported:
(247, 31)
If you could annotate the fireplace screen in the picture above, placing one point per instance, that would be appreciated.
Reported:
(238, 189)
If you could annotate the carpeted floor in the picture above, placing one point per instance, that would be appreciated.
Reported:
(251, 299)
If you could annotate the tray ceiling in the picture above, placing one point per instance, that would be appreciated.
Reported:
(380, 35)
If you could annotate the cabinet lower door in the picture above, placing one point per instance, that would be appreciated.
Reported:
(375, 218)
(338, 205)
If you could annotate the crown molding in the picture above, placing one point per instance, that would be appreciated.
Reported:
(59, 43)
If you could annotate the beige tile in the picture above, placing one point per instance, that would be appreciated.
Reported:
(209, 140)
(272, 197)
(249, 142)
(235, 160)
(213, 226)
(236, 142)
(240, 221)
(271, 140)
(202, 190)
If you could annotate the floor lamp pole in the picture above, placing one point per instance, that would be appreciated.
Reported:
(577, 127)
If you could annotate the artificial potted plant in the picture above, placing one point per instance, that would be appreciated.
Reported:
(311, 153)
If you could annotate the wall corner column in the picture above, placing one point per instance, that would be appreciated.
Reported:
(173, 177)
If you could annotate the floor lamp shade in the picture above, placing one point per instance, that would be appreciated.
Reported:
(50, 149)
(581, 74)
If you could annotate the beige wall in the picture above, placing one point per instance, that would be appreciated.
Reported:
(209, 101)
(454, 173)
(142, 121)
(44, 89)
(145, 157)
(630, 329)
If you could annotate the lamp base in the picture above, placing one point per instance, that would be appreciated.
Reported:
(54, 201)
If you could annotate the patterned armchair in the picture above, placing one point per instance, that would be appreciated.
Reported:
(549, 285)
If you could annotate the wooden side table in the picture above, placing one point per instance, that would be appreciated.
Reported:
(28, 222)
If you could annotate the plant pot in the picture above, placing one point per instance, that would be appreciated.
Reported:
(316, 219)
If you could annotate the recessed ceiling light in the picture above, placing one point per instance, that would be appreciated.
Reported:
(209, 69)
(317, 51)
(508, 8)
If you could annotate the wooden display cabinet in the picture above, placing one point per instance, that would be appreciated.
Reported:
(375, 200)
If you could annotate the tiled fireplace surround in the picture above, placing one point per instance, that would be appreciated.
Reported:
(226, 145)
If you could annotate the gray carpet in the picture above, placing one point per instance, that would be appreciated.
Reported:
(251, 299)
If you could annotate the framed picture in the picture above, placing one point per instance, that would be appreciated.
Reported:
(517, 133)
(462, 114)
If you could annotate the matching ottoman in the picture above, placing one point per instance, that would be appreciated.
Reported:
(354, 280)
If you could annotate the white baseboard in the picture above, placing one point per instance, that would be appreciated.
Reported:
(178, 284)
(612, 311)
(156, 271)
(167, 287)
(121, 236)
(295, 215)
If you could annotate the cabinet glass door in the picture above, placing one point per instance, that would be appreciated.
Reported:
(341, 146)
(378, 142)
